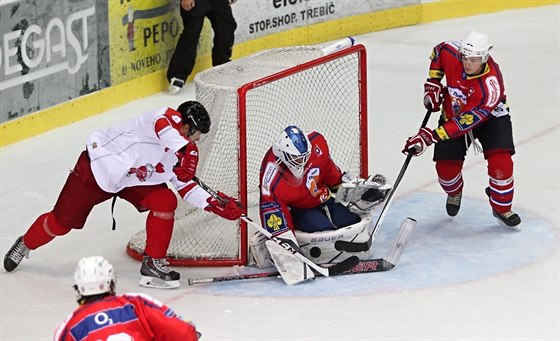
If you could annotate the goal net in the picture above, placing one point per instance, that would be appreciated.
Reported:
(250, 101)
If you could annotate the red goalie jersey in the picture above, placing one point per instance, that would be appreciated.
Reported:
(469, 100)
(135, 317)
(280, 190)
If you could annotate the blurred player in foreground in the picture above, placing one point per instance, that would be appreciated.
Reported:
(103, 315)
(473, 107)
(133, 161)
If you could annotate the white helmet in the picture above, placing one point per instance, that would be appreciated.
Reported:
(476, 44)
(293, 148)
(93, 276)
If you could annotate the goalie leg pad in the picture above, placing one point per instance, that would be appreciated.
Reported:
(319, 246)
(292, 269)
(259, 252)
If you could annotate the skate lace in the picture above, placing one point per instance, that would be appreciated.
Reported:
(19, 252)
(161, 265)
(507, 214)
(454, 199)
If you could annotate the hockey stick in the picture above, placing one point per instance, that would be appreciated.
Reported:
(209, 190)
(285, 243)
(233, 277)
(359, 247)
(363, 266)
(294, 249)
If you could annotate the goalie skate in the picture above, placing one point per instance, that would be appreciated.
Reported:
(156, 274)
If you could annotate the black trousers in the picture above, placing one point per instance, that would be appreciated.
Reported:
(223, 23)
(494, 134)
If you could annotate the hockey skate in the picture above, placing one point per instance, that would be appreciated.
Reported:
(453, 204)
(156, 274)
(175, 85)
(509, 219)
(15, 255)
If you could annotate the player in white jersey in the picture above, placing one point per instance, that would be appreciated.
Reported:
(133, 161)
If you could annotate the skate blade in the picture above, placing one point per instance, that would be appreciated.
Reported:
(515, 228)
(152, 282)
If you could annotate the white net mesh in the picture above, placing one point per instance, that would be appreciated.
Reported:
(326, 97)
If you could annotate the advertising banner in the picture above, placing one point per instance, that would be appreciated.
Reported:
(264, 17)
(142, 36)
(51, 51)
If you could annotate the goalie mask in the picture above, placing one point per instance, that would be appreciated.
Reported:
(476, 44)
(93, 276)
(293, 148)
(195, 115)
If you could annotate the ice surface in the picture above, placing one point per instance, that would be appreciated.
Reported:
(465, 278)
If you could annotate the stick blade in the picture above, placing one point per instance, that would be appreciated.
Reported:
(344, 266)
(407, 227)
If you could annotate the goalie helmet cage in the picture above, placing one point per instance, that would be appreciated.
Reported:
(250, 101)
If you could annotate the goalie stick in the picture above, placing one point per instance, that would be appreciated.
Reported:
(286, 243)
(347, 246)
(363, 266)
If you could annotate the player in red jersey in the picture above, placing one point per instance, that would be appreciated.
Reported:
(133, 161)
(297, 182)
(473, 106)
(103, 315)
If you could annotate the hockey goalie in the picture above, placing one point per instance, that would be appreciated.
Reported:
(309, 202)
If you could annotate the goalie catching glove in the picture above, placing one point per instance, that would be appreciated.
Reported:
(226, 208)
(363, 194)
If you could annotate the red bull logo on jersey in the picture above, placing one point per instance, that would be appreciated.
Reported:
(146, 171)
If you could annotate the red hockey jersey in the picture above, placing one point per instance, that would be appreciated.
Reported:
(280, 190)
(135, 317)
(468, 100)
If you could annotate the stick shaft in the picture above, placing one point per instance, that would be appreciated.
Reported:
(389, 197)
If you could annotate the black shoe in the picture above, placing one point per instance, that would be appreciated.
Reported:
(508, 218)
(453, 204)
(175, 85)
(157, 267)
(15, 255)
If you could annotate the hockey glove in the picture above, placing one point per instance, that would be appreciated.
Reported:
(420, 142)
(363, 194)
(230, 210)
(432, 94)
(185, 169)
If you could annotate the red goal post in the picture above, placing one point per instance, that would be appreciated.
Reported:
(250, 101)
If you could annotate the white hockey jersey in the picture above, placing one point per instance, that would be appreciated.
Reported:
(139, 153)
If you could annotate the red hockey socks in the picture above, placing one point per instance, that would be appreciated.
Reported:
(500, 172)
(159, 224)
(43, 230)
(449, 176)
